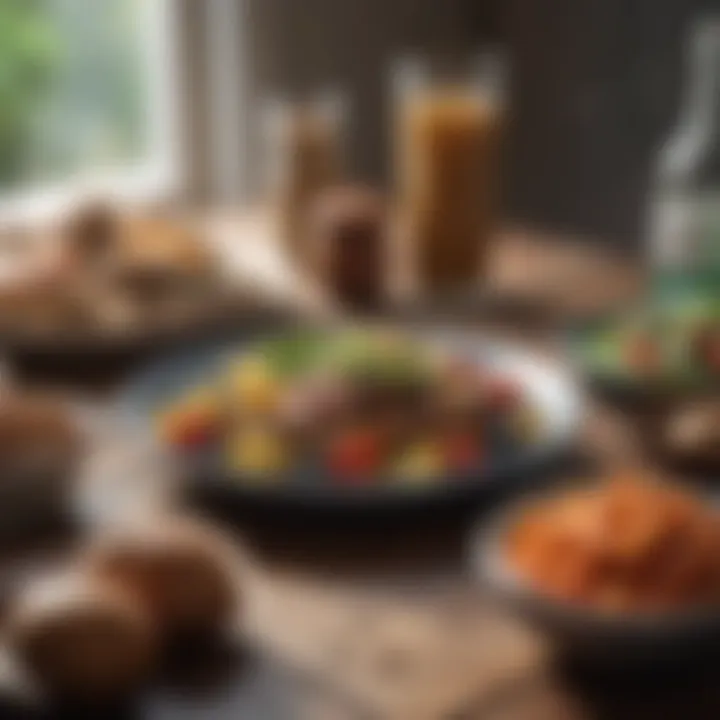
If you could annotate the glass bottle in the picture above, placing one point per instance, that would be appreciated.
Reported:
(304, 140)
(685, 209)
(449, 121)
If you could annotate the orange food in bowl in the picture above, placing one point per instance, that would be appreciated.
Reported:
(628, 545)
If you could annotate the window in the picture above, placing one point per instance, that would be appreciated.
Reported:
(86, 94)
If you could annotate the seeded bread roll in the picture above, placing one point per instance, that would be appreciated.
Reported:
(78, 636)
(182, 569)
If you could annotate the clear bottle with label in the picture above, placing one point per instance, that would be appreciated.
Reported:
(685, 210)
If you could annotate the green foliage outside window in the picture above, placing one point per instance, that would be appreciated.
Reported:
(72, 88)
(28, 52)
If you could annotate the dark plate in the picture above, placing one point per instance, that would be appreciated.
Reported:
(89, 357)
(215, 685)
(549, 389)
(223, 678)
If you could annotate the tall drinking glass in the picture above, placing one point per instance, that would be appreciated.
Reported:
(304, 140)
(449, 122)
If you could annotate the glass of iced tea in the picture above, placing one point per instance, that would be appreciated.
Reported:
(448, 131)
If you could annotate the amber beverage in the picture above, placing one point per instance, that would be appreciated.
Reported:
(449, 133)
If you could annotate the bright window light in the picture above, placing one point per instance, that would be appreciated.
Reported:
(86, 99)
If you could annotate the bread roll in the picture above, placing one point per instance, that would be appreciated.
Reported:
(37, 434)
(692, 433)
(78, 636)
(157, 244)
(92, 231)
(181, 568)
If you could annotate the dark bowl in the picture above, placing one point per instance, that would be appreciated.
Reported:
(621, 389)
(82, 356)
(581, 632)
(549, 388)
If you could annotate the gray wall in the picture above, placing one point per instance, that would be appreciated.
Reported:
(594, 87)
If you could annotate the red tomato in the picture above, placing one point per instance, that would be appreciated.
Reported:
(462, 452)
(355, 455)
(192, 430)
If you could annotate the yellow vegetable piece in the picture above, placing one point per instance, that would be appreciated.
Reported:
(256, 452)
(419, 464)
(253, 387)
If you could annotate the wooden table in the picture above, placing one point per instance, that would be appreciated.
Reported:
(385, 615)
(380, 621)
(563, 275)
